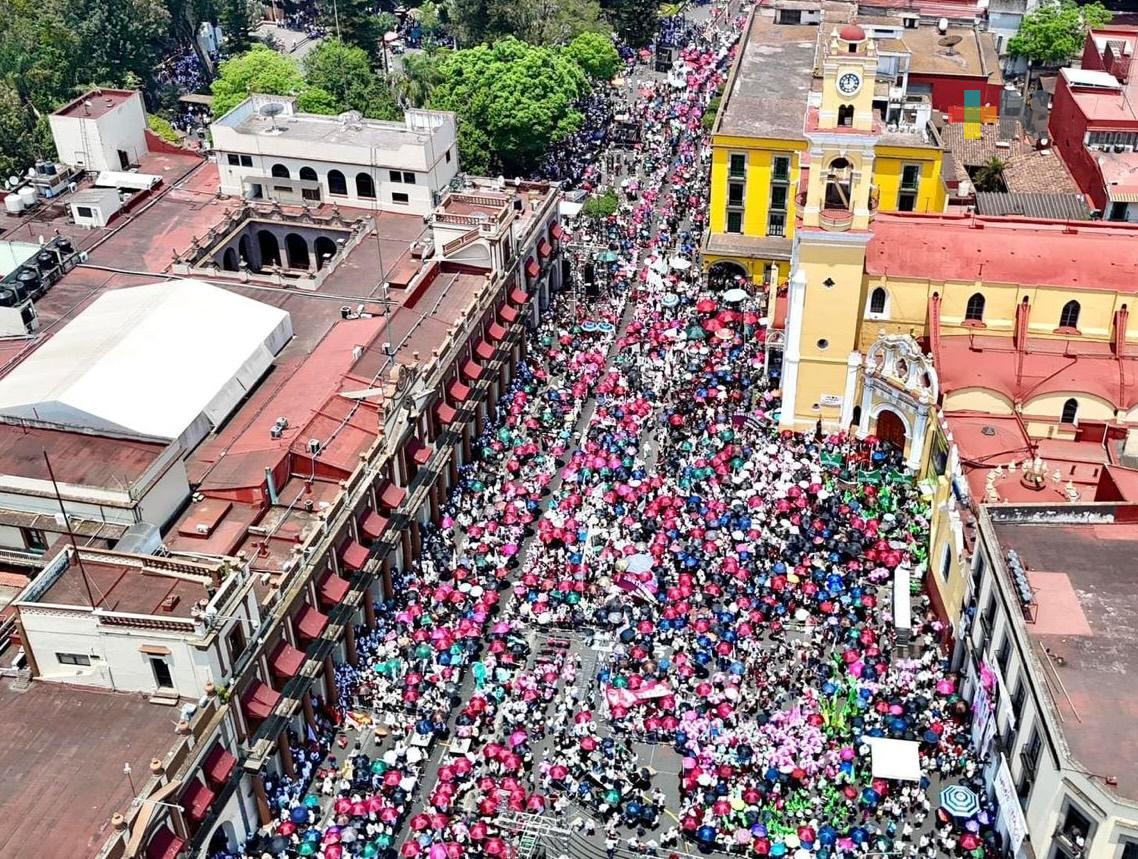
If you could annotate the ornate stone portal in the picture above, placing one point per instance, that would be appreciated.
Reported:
(899, 388)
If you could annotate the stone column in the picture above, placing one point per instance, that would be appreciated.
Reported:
(350, 640)
(330, 680)
(287, 762)
(263, 812)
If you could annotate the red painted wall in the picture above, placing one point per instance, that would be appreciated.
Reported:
(948, 90)
(1067, 127)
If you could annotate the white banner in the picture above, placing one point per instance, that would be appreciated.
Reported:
(1011, 815)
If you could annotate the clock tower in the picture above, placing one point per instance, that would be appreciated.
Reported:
(820, 357)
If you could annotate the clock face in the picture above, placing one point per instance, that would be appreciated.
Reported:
(849, 83)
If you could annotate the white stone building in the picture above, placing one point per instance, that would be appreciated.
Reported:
(104, 129)
(267, 150)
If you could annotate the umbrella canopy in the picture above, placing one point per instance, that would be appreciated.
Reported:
(734, 296)
(959, 801)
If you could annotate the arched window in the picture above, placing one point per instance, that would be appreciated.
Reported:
(877, 300)
(365, 186)
(839, 181)
(308, 174)
(337, 184)
(280, 171)
(1069, 318)
(845, 115)
(1070, 411)
(974, 312)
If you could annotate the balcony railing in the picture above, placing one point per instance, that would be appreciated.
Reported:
(836, 220)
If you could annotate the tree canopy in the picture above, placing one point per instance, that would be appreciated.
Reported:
(634, 20)
(512, 99)
(595, 54)
(539, 22)
(1055, 31)
(345, 72)
(354, 22)
(261, 70)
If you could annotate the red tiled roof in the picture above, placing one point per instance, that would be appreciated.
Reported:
(1004, 250)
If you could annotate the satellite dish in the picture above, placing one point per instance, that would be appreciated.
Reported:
(950, 42)
(272, 110)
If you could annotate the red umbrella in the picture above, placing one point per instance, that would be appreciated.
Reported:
(705, 305)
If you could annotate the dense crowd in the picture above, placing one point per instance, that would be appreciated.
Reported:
(639, 556)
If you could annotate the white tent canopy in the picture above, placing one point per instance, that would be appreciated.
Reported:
(168, 360)
(895, 759)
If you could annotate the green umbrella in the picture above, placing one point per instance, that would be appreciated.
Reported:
(311, 801)
(696, 333)
(607, 256)
(308, 848)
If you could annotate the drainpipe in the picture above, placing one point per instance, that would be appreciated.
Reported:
(272, 484)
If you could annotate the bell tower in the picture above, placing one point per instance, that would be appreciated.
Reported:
(820, 360)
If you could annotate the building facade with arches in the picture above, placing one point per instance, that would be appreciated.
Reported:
(267, 150)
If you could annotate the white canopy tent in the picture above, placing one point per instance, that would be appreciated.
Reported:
(894, 759)
(168, 360)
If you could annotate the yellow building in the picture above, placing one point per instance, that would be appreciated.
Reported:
(762, 152)
(984, 348)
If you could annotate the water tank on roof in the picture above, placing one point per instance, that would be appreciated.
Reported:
(13, 205)
(28, 195)
(27, 282)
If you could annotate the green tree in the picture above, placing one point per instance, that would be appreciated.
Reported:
(353, 22)
(428, 18)
(634, 20)
(236, 22)
(512, 100)
(601, 206)
(260, 70)
(1056, 30)
(20, 146)
(595, 54)
(345, 73)
(118, 37)
(539, 22)
(419, 78)
(990, 175)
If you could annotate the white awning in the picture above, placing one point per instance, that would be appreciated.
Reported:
(902, 601)
(895, 759)
(570, 210)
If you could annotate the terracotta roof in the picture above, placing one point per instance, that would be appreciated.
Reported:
(1028, 170)
(1094, 255)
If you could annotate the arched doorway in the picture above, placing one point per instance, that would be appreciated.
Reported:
(297, 250)
(243, 251)
(270, 248)
(891, 429)
(725, 274)
(839, 181)
(229, 260)
(325, 249)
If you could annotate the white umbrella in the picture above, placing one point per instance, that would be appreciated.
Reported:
(659, 266)
(680, 264)
(734, 296)
(414, 755)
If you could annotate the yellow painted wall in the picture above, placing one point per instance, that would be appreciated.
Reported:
(760, 154)
(1051, 406)
(756, 267)
(827, 315)
(978, 400)
(887, 171)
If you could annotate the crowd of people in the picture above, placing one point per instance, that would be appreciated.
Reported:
(638, 556)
